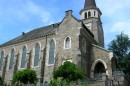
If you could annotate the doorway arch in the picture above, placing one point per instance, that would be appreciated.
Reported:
(99, 67)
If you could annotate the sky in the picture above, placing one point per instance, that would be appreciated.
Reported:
(17, 16)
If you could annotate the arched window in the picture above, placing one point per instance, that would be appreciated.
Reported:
(94, 13)
(1, 59)
(85, 15)
(84, 45)
(37, 51)
(11, 59)
(89, 14)
(23, 60)
(51, 52)
(67, 43)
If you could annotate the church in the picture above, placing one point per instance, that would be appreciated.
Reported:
(44, 49)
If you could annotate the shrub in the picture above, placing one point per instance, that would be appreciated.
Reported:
(57, 82)
(68, 71)
(25, 76)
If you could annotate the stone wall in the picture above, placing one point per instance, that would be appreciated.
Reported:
(103, 56)
(69, 27)
(86, 55)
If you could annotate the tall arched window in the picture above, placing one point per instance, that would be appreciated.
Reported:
(1, 59)
(23, 60)
(94, 13)
(84, 45)
(85, 15)
(37, 51)
(11, 59)
(67, 43)
(89, 14)
(51, 52)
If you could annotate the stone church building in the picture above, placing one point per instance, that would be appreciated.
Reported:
(80, 41)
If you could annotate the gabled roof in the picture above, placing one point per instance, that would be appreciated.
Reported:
(40, 32)
(36, 33)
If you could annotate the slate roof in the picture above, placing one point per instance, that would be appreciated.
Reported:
(40, 32)
(89, 4)
(36, 33)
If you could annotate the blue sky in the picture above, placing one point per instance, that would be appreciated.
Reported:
(17, 16)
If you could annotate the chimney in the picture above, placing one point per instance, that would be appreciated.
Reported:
(69, 13)
(23, 33)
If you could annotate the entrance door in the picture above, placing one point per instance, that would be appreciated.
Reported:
(99, 70)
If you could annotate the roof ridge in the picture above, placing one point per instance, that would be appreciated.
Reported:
(32, 34)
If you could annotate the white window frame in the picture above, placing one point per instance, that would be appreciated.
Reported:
(48, 49)
(65, 43)
(25, 58)
(10, 58)
(39, 54)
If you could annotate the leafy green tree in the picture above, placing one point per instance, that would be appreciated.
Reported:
(25, 76)
(68, 71)
(121, 47)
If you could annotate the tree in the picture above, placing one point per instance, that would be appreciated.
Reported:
(25, 76)
(121, 47)
(68, 71)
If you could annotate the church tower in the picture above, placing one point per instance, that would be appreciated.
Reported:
(90, 15)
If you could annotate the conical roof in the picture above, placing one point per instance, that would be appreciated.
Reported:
(89, 3)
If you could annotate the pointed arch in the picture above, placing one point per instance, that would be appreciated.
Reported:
(12, 56)
(24, 54)
(95, 64)
(51, 52)
(1, 59)
(99, 68)
(67, 43)
(37, 54)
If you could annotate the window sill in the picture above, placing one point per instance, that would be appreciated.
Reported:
(50, 65)
(22, 68)
(67, 48)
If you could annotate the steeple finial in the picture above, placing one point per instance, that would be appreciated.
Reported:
(89, 3)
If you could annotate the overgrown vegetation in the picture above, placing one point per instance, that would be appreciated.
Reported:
(121, 47)
(25, 76)
(67, 72)
(58, 82)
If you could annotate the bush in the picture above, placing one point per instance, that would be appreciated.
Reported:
(68, 71)
(25, 76)
(57, 82)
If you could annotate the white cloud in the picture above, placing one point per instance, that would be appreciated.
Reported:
(115, 17)
(113, 7)
(37, 10)
(23, 12)
(121, 26)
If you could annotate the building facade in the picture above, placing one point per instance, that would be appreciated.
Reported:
(44, 49)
